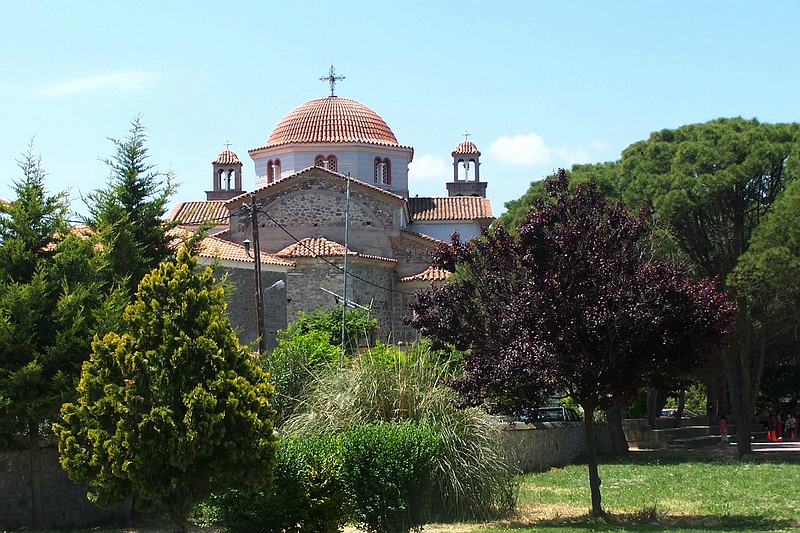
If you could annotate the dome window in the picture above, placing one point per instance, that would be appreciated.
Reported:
(273, 170)
(329, 162)
(383, 171)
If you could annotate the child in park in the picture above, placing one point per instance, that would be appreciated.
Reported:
(723, 431)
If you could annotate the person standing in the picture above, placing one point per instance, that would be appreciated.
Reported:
(723, 431)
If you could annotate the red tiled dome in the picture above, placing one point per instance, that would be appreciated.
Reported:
(332, 119)
(466, 147)
(226, 157)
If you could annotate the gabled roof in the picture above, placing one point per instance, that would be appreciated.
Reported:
(224, 250)
(216, 248)
(275, 186)
(431, 273)
(196, 212)
(422, 236)
(446, 208)
(322, 247)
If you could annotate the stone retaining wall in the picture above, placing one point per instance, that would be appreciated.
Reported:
(64, 502)
(542, 445)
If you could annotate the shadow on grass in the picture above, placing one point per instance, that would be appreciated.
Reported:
(650, 520)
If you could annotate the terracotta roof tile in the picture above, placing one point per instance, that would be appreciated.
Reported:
(322, 247)
(332, 119)
(216, 248)
(466, 147)
(226, 157)
(450, 208)
(423, 236)
(195, 212)
(431, 273)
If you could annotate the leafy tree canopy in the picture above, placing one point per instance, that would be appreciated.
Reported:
(606, 175)
(710, 185)
(573, 301)
(174, 408)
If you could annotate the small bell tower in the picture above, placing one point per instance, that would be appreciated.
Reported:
(227, 176)
(466, 159)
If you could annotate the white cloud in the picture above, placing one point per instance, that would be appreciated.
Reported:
(428, 167)
(598, 144)
(119, 81)
(531, 150)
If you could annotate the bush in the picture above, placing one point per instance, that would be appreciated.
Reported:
(473, 477)
(306, 494)
(387, 470)
(294, 365)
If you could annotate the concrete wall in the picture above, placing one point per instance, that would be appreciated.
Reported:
(64, 502)
(542, 445)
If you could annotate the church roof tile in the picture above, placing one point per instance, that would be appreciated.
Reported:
(195, 212)
(322, 247)
(445, 208)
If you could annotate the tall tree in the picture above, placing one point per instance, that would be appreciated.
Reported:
(174, 408)
(606, 175)
(48, 295)
(574, 302)
(768, 275)
(129, 212)
(710, 185)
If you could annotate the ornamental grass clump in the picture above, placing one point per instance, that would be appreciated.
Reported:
(472, 478)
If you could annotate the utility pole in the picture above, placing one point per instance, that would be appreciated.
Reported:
(262, 338)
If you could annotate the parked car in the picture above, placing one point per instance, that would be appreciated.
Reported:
(669, 412)
(550, 414)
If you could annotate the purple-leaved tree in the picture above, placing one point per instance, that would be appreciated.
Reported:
(576, 302)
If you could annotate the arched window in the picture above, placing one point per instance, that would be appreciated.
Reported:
(273, 170)
(221, 180)
(328, 162)
(383, 171)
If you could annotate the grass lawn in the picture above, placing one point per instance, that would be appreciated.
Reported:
(672, 492)
(663, 493)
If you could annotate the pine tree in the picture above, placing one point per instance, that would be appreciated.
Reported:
(129, 212)
(48, 292)
(174, 408)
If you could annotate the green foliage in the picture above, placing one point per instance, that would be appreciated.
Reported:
(472, 475)
(128, 213)
(294, 366)
(48, 291)
(174, 408)
(710, 186)
(606, 175)
(359, 327)
(306, 495)
(387, 470)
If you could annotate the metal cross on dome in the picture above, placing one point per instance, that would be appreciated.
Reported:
(332, 78)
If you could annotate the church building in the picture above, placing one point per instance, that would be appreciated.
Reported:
(334, 219)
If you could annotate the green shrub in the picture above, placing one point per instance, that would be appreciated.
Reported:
(294, 365)
(387, 470)
(473, 477)
(306, 494)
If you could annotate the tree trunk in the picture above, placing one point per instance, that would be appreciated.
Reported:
(681, 406)
(36, 474)
(652, 404)
(591, 461)
(178, 510)
(744, 365)
(619, 444)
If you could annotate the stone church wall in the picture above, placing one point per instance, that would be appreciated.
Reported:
(242, 305)
(313, 274)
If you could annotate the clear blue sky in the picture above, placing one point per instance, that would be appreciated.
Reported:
(538, 84)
